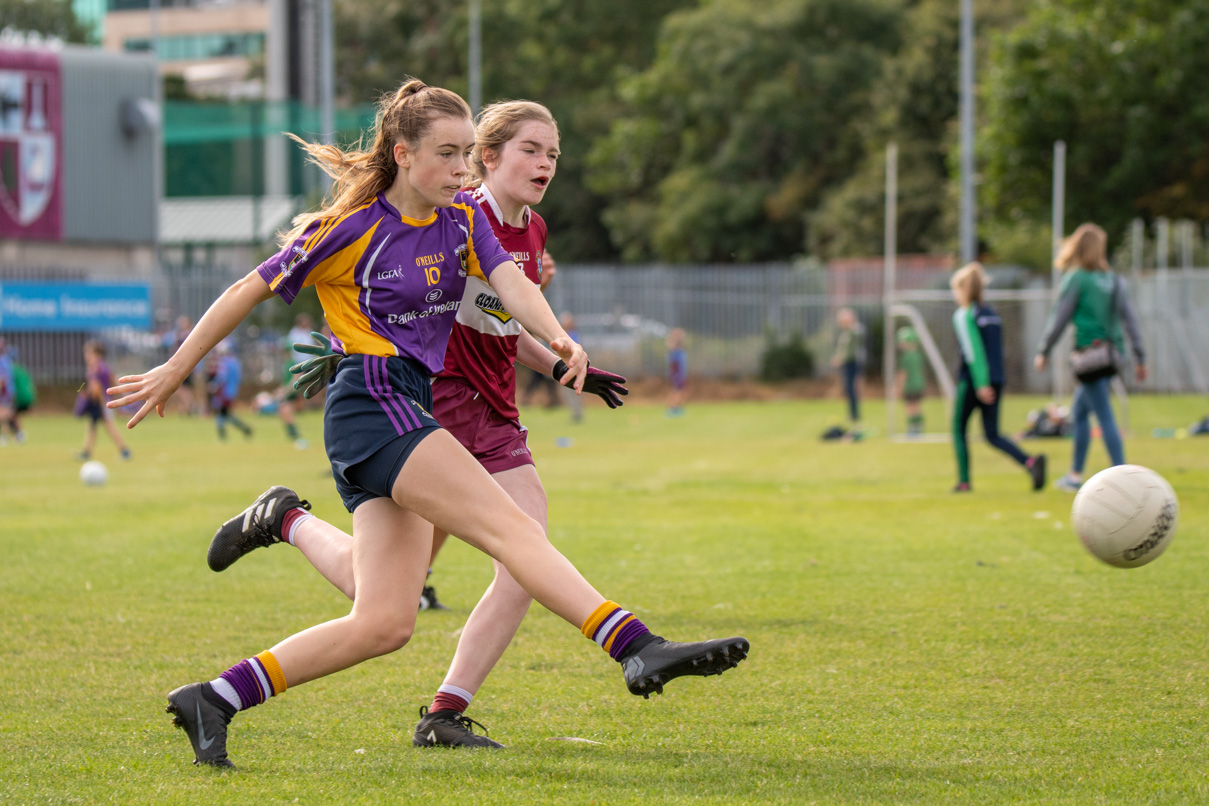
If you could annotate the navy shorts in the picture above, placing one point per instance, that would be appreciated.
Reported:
(377, 412)
(93, 409)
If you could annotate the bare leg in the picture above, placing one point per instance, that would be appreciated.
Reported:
(285, 410)
(90, 438)
(438, 540)
(495, 619)
(431, 485)
(114, 434)
(499, 614)
(330, 550)
(389, 554)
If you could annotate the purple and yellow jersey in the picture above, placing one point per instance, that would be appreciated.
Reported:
(389, 285)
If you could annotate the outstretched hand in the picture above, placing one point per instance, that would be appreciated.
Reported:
(576, 360)
(314, 373)
(153, 388)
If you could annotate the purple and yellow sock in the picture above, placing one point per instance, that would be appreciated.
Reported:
(251, 681)
(613, 628)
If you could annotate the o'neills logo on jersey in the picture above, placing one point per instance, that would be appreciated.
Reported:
(297, 259)
(492, 306)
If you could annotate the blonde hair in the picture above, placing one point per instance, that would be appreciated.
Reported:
(1085, 248)
(361, 174)
(971, 280)
(497, 124)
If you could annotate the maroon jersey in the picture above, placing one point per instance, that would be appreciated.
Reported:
(482, 348)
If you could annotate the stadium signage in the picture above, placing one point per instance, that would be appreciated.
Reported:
(59, 307)
(30, 145)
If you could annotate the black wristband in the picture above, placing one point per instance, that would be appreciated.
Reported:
(559, 370)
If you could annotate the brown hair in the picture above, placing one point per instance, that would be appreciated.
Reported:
(1085, 248)
(497, 124)
(359, 175)
(972, 279)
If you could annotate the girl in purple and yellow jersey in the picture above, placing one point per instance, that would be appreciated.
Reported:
(980, 376)
(389, 257)
(474, 398)
(91, 400)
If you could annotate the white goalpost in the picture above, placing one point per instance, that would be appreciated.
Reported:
(893, 309)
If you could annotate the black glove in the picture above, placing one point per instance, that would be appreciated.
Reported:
(605, 384)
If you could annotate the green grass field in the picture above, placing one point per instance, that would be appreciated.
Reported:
(908, 645)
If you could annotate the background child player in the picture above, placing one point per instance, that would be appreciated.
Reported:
(92, 399)
(224, 389)
(849, 359)
(980, 376)
(400, 204)
(677, 372)
(912, 383)
(290, 399)
(16, 389)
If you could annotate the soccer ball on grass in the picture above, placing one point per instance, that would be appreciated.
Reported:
(93, 473)
(1126, 515)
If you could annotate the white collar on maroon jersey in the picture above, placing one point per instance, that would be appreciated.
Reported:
(483, 194)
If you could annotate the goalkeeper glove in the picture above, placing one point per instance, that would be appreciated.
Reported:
(605, 384)
(314, 373)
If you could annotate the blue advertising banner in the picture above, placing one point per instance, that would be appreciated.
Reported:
(26, 307)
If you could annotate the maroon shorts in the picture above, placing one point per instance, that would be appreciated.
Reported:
(497, 442)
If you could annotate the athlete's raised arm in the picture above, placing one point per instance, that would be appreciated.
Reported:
(524, 300)
(155, 386)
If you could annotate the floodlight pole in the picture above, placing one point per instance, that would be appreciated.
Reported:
(967, 234)
(1057, 225)
(889, 281)
(327, 81)
(476, 57)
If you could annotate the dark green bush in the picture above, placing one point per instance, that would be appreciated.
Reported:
(781, 362)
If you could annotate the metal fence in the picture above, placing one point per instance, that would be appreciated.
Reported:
(732, 315)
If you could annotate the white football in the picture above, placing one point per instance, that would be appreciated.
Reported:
(1126, 515)
(93, 473)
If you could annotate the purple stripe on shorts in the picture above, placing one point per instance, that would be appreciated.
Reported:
(397, 400)
(371, 383)
(400, 401)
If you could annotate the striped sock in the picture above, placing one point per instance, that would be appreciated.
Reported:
(451, 698)
(251, 681)
(613, 628)
(290, 522)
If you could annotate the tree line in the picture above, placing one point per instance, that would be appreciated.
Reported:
(729, 130)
